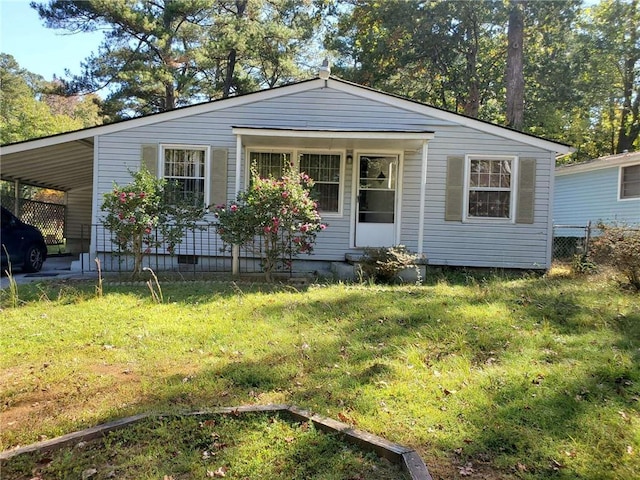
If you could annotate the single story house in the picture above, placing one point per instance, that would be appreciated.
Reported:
(606, 190)
(388, 170)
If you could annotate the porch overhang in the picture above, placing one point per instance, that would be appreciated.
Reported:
(408, 141)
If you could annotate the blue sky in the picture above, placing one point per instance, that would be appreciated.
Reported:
(42, 50)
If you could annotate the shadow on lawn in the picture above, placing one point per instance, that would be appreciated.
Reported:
(534, 421)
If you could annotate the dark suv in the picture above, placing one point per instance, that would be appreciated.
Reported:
(24, 243)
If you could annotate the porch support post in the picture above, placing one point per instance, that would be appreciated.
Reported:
(238, 165)
(423, 197)
(235, 249)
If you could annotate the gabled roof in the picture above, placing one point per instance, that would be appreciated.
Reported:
(333, 82)
(65, 161)
(609, 161)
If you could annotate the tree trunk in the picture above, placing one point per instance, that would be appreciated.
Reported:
(630, 115)
(228, 79)
(241, 6)
(514, 78)
(472, 103)
(169, 97)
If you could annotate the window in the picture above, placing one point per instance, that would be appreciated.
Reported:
(184, 170)
(490, 187)
(324, 168)
(269, 164)
(630, 182)
(325, 171)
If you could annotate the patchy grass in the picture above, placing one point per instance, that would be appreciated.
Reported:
(486, 376)
(218, 446)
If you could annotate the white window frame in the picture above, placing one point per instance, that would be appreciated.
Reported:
(207, 164)
(620, 178)
(295, 159)
(513, 188)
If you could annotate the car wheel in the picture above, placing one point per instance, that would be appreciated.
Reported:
(33, 259)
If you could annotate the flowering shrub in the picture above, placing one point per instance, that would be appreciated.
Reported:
(141, 218)
(280, 211)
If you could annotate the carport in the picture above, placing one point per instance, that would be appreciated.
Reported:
(61, 162)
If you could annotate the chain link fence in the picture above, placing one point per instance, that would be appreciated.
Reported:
(571, 240)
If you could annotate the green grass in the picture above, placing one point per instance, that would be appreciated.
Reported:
(496, 376)
(256, 446)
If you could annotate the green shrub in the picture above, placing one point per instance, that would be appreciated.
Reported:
(619, 246)
(582, 264)
(383, 265)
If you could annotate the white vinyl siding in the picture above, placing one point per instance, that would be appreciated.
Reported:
(445, 243)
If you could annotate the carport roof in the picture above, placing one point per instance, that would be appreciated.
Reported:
(62, 166)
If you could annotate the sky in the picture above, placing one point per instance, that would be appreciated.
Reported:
(42, 50)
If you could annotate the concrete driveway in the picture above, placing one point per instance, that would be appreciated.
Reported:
(54, 268)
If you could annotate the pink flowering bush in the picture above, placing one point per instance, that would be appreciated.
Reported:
(141, 218)
(281, 212)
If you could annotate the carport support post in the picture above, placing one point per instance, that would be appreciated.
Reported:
(16, 198)
(235, 260)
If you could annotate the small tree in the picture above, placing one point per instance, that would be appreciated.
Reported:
(143, 214)
(279, 211)
(619, 247)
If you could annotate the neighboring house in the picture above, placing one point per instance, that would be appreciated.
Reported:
(606, 189)
(388, 170)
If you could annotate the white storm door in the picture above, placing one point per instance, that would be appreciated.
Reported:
(376, 201)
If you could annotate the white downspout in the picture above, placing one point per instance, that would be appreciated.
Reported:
(423, 197)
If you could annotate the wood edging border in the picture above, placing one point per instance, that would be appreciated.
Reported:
(407, 458)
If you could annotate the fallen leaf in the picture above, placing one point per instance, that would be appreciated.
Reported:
(624, 416)
(289, 439)
(629, 449)
(522, 467)
(88, 473)
(467, 470)
(219, 473)
(345, 418)
(556, 465)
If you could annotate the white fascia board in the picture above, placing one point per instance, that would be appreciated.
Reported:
(449, 117)
(611, 161)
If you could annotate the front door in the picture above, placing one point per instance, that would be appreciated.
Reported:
(376, 200)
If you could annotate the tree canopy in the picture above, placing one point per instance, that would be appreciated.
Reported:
(159, 55)
(28, 109)
(558, 68)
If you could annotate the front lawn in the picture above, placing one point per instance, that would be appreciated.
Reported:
(488, 376)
